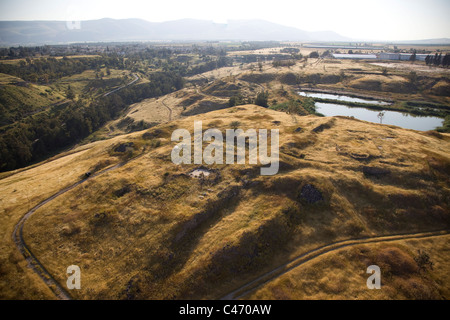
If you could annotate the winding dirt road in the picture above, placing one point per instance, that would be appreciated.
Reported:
(240, 292)
(168, 108)
(136, 78)
(310, 255)
(34, 262)
(17, 235)
(61, 293)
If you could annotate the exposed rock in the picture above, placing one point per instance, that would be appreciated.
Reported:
(375, 172)
(122, 191)
(123, 147)
(311, 194)
(321, 127)
(152, 134)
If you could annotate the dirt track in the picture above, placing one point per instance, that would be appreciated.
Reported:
(34, 262)
(308, 256)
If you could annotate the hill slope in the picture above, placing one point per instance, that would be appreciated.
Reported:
(150, 230)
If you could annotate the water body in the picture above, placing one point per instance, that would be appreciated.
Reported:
(395, 118)
(343, 98)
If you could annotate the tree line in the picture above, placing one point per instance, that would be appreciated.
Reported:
(39, 136)
(438, 60)
(45, 70)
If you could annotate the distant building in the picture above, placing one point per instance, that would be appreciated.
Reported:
(381, 56)
(400, 56)
(388, 56)
(405, 56)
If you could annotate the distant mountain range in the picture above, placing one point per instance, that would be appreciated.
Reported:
(438, 41)
(111, 30)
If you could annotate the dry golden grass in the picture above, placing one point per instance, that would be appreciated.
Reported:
(342, 274)
(147, 230)
(23, 189)
(416, 66)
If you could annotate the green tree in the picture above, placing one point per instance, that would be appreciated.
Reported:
(412, 77)
(69, 93)
(235, 101)
(293, 107)
(314, 54)
(381, 116)
(262, 99)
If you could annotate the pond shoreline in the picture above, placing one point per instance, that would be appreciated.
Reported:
(421, 110)
(345, 93)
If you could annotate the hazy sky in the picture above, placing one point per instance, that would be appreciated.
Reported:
(376, 19)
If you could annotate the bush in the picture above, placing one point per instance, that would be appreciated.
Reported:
(235, 124)
(396, 261)
(283, 63)
(262, 99)
(236, 101)
(423, 260)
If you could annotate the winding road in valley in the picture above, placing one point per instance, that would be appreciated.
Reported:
(136, 78)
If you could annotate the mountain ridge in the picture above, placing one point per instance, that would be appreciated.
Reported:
(107, 29)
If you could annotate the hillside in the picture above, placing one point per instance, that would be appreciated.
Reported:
(150, 230)
(19, 99)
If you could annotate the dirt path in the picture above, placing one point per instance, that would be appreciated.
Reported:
(308, 256)
(136, 78)
(33, 261)
(168, 108)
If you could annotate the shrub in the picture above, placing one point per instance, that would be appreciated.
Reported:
(262, 99)
(423, 260)
(235, 124)
(314, 54)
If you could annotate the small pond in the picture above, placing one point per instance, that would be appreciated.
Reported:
(395, 118)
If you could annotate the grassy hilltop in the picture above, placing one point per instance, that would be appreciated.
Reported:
(148, 230)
